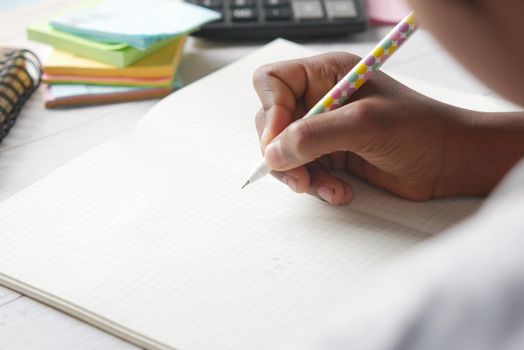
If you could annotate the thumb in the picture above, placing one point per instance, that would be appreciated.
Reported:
(352, 128)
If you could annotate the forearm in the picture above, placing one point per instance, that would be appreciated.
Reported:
(483, 148)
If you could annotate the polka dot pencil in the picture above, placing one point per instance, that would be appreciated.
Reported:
(347, 86)
(356, 77)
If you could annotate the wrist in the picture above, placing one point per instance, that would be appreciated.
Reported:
(480, 149)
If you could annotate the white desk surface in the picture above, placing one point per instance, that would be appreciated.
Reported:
(43, 140)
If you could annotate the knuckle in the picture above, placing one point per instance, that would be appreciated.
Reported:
(345, 59)
(262, 81)
(334, 65)
(372, 126)
(338, 58)
(262, 73)
(303, 138)
(369, 115)
(363, 114)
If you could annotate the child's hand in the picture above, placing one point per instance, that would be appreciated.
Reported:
(388, 135)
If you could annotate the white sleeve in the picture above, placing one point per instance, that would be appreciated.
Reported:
(463, 290)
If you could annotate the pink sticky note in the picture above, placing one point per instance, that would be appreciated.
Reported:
(387, 11)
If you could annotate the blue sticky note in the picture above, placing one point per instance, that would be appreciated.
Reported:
(137, 23)
(7, 4)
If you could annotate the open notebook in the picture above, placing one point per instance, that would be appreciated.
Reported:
(150, 237)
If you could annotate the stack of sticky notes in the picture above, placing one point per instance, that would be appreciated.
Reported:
(116, 50)
(74, 80)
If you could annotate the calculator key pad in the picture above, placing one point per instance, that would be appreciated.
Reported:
(276, 3)
(340, 9)
(243, 3)
(257, 19)
(244, 14)
(278, 14)
(308, 9)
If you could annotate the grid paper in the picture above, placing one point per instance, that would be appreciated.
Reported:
(188, 260)
(150, 237)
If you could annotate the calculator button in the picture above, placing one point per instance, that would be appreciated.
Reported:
(278, 14)
(308, 9)
(243, 3)
(276, 3)
(244, 14)
(211, 3)
(341, 9)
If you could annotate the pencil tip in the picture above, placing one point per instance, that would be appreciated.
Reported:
(247, 183)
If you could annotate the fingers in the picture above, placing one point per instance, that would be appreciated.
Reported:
(290, 144)
(327, 187)
(297, 179)
(278, 86)
(286, 92)
(316, 181)
(355, 128)
(288, 89)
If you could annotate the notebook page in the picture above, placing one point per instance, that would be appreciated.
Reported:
(168, 252)
(150, 237)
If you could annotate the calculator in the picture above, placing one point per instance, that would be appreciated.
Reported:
(267, 19)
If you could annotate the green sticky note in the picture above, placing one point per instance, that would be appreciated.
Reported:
(120, 55)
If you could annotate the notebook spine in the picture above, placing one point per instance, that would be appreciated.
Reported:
(20, 76)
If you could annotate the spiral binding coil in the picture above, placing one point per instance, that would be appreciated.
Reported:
(20, 76)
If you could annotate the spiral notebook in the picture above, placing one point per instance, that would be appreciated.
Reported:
(20, 75)
(150, 237)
